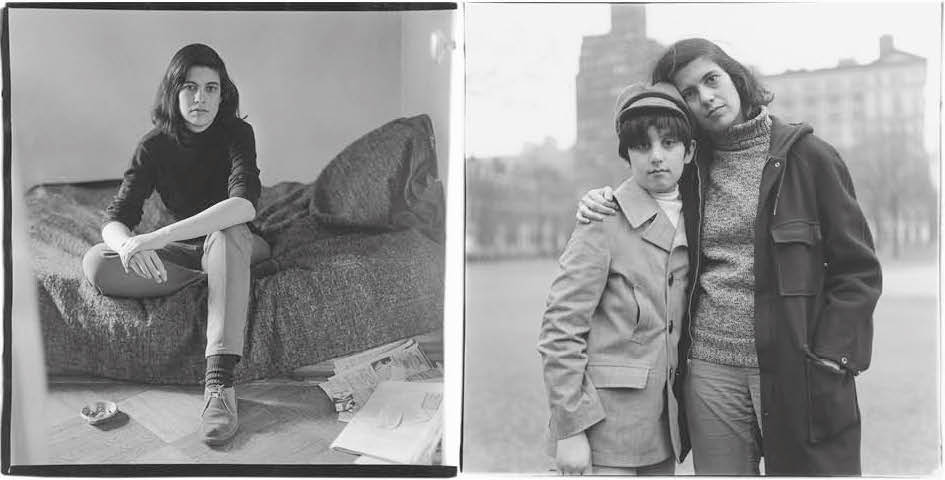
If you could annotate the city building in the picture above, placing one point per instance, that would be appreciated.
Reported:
(609, 62)
(851, 102)
(874, 115)
(517, 207)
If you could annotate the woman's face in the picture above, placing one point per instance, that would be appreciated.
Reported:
(199, 98)
(710, 94)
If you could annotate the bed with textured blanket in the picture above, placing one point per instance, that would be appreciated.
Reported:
(357, 261)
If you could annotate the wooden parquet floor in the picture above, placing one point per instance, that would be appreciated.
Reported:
(282, 421)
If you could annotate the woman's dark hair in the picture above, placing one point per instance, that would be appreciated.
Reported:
(633, 130)
(750, 91)
(166, 114)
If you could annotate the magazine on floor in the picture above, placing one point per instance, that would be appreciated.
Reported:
(402, 422)
(356, 376)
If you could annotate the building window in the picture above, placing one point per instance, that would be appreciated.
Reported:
(897, 79)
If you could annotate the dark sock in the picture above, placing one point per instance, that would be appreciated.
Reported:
(220, 369)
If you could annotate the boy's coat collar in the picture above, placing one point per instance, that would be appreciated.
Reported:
(639, 207)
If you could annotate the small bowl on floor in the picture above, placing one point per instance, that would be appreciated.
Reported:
(99, 412)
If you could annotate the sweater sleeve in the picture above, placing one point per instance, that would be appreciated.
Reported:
(572, 300)
(853, 280)
(136, 186)
(244, 175)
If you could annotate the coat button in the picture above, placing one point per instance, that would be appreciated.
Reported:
(670, 326)
(777, 164)
(670, 280)
(671, 372)
(843, 360)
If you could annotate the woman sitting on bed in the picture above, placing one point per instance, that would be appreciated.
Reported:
(201, 159)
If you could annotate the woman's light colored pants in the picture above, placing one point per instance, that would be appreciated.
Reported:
(224, 259)
(723, 406)
(666, 467)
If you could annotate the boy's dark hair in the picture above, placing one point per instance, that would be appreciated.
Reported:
(633, 129)
(750, 91)
(165, 115)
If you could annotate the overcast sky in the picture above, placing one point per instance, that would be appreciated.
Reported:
(521, 59)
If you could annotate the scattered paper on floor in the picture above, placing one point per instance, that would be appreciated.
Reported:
(356, 376)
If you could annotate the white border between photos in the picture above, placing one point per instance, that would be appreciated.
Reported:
(454, 278)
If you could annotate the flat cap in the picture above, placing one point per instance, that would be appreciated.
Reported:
(640, 95)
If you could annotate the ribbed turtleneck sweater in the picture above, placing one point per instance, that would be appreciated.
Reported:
(723, 327)
(671, 203)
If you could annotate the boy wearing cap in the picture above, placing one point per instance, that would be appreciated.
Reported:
(610, 331)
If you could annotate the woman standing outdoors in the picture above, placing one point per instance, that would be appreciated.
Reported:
(201, 159)
(784, 280)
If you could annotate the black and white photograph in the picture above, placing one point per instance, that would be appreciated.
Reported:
(473, 238)
(228, 228)
(702, 239)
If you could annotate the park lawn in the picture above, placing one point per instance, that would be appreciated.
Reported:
(505, 411)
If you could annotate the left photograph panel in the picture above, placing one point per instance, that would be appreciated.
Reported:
(227, 235)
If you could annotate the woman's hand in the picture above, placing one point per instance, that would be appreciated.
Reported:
(138, 243)
(829, 365)
(147, 264)
(596, 204)
(573, 455)
(138, 254)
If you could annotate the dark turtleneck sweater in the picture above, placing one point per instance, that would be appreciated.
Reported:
(190, 175)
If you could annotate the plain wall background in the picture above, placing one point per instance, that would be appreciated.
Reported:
(426, 84)
(82, 83)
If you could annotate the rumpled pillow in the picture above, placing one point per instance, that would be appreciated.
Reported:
(364, 186)
(385, 180)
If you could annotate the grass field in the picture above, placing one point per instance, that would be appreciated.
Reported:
(505, 410)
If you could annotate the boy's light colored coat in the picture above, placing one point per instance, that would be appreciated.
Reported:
(610, 332)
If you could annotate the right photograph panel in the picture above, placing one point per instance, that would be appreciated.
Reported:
(702, 239)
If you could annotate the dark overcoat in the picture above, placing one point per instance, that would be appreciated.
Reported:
(817, 281)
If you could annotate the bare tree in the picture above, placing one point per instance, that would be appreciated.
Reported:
(892, 179)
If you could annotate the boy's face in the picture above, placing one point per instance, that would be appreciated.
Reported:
(658, 164)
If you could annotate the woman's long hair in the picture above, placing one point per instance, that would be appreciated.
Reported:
(166, 112)
(750, 91)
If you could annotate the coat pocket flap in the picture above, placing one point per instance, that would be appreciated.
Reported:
(796, 232)
(618, 376)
